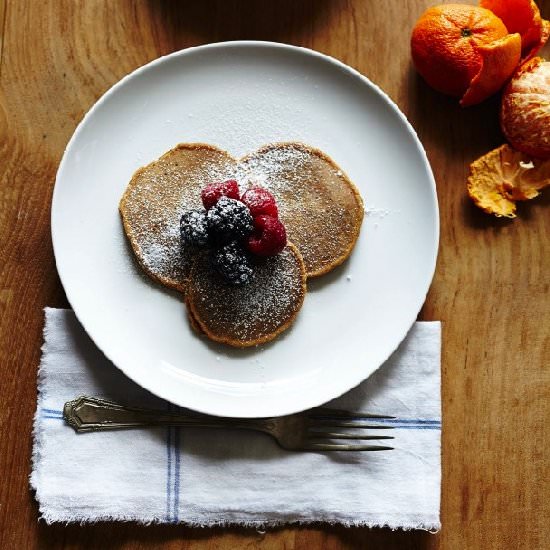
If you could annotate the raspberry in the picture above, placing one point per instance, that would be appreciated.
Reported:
(194, 229)
(232, 263)
(269, 237)
(260, 201)
(229, 220)
(212, 193)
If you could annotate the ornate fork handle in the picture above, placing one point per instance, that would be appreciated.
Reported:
(86, 414)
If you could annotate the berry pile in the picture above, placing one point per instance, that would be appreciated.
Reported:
(235, 228)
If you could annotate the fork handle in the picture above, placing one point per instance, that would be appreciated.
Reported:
(87, 414)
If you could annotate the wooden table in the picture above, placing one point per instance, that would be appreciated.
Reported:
(491, 287)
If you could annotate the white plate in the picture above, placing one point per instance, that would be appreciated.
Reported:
(239, 96)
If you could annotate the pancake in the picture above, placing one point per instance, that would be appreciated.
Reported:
(313, 196)
(193, 322)
(155, 199)
(321, 208)
(250, 314)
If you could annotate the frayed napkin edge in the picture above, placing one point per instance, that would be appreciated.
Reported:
(53, 517)
(36, 432)
(50, 517)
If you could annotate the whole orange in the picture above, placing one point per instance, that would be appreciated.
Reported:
(525, 110)
(451, 43)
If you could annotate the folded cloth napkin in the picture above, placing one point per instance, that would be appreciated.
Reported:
(215, 477)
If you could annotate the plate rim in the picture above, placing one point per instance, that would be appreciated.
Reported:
(282, 409)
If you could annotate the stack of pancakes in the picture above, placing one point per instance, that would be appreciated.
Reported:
(318, 204)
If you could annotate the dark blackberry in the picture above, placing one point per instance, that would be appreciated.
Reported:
(194, 229)
(229, 220)
(232, 263)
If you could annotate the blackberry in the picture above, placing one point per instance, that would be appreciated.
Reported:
(194, 229)
(229, 220)
(232, 263)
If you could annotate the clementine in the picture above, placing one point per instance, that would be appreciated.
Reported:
(464, 51)
(525, 109)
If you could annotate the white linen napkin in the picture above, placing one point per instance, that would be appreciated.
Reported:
(215, 477)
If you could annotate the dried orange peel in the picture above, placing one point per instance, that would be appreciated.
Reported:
(523, 17)
(503, 176)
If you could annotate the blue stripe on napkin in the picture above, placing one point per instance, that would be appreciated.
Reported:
(169, 472)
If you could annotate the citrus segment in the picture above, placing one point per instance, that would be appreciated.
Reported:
(503, 176)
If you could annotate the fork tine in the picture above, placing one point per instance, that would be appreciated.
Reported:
(349, 435)
(334, 423)
(342, 435)
(336, 447)
(325, 412)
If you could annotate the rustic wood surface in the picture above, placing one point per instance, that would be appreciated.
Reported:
(491, 287)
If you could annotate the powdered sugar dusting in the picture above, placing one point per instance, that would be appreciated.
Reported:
(271, 168)
(252, 311)
(379, 213)
(312, 193)
(318, 206)
(155, 201)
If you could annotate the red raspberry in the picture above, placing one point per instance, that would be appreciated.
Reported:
(213, 192)
(268, 238)
(260, 201)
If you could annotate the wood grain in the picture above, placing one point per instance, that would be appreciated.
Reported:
(491, 287)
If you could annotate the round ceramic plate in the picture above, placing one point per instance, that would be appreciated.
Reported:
(240, 96)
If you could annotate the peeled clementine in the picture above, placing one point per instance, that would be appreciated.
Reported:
(525, 109)
(523, 17)
(503, 176)
(464, 51)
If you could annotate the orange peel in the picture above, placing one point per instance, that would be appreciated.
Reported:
(523, 17)
(503, 176)
(499, 61)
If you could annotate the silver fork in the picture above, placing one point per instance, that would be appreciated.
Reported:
(312, 430)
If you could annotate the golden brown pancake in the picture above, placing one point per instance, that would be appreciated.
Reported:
(193, 322)
(313, 196)
(321, 208)
(155, 199)
(253, 313)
